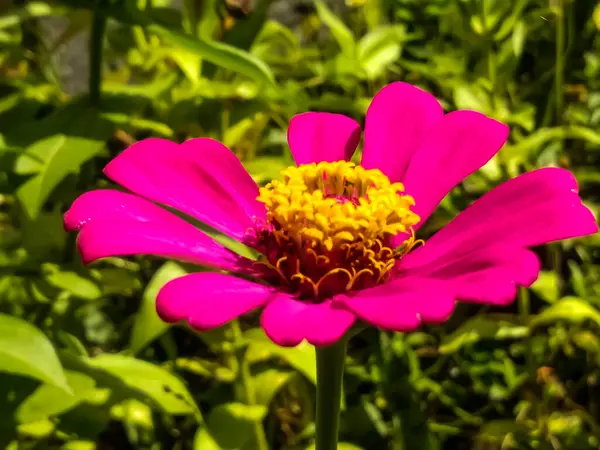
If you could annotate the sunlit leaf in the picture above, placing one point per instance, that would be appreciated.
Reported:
(54, 157)
(569, 309)
(547, 286)
(268, 383)
(339, 30)
(380, 48)
(75, 284)
(147, 326)
(48, 401)
(25, 350)
(204, 441)
(159, 384)
(232, 424)
(301, 357)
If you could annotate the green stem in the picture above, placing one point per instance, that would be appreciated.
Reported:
(524, 312)
(330, 373)
(560, 60)
(96, 48)
(246, 380)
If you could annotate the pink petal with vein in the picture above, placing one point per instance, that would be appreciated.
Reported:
(404, 304)
(201, 178)
(459, 144)
(288, 321)
(398, 119)
(319, 136)
(114, 223)
(209, 300)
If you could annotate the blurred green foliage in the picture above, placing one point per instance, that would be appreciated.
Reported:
(85, 362)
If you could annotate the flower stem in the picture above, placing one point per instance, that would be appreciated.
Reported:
(96, 48)
(247, 386)
(330, 373)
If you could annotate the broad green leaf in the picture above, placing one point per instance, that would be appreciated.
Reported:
(380, 48)
(116, 384)
(25, 350)
(204, 441)
(268, 383)
(48, 400)
(218, 53)
(54, 157)
(75, 284)
(302, 357)
(147, 325)
(339, 30)
(232, 424)
(483, 327)
(547, 286)
(568, 309)
(159, 384)
(471, 97)
(189, 63)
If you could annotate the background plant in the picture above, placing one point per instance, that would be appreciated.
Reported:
(84, 360)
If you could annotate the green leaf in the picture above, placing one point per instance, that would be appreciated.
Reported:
(483, 327)
(268, 383)
(204, 441)
(302, 357)
(159, 384)
(54, 157)
(75, 284)
(569, 309)
(341, 33)
(147, 326)
(518, 38)
(218, 53)
(232, 424)
(546, 286)
(25, 350)
(48, 400)
(380, 48)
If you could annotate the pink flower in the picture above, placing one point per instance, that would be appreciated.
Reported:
(336, 240)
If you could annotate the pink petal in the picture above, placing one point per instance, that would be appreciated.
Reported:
(288, 321)
(398, 119)
(209, 300)
(318, 136)
(201, 178)
(459, 144)
(111, 205)
(535, 208)
(494, 286)
(402, 305)
(485, 275)
(114, 223)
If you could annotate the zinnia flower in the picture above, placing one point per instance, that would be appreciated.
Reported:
(336, 240)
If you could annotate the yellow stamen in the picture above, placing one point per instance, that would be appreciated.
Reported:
(330, 224)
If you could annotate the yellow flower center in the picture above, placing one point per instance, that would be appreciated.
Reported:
(329, 226)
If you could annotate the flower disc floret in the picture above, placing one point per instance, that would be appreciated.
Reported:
(329, 227)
